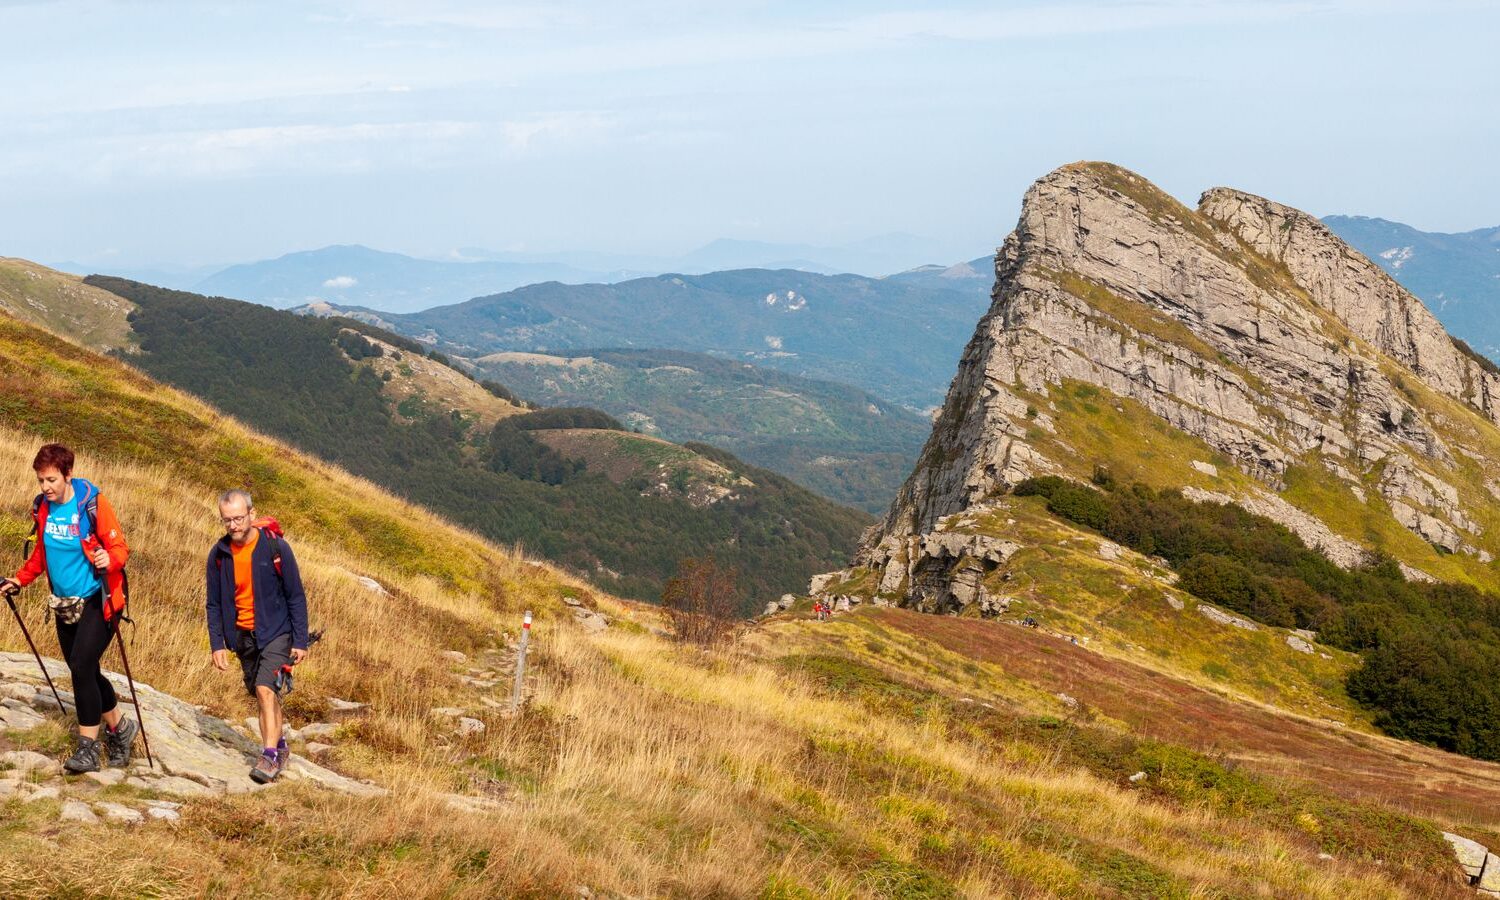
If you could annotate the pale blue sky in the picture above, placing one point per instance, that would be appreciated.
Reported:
(158, 132)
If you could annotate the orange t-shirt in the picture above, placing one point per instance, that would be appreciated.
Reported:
(244, 590)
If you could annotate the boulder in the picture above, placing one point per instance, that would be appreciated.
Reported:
(1471, 854)
(119, 813)
(78, 811)
(1489, 879)
(1298, 644)
(468, 726)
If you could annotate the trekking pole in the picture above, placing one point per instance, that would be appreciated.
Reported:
(10, 598)
(134, 697)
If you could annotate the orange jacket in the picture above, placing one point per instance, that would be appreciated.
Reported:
(106, 531)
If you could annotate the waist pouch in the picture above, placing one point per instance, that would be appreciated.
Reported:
(68, 610)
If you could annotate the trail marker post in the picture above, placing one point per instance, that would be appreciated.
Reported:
(515, 699)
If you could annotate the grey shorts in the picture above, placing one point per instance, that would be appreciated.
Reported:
(260, 664)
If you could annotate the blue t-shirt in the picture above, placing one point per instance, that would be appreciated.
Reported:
(69, 570)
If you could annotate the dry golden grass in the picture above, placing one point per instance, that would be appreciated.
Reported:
(639, 768)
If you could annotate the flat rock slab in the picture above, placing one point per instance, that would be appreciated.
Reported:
(186, 742)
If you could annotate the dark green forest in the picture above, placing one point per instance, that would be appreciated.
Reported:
(290, 376)
(1430, 669)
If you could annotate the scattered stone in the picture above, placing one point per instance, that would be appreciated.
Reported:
(181, 787)
(480, 683)
(372, 585)
(316, 749)
(471, 804)
(572, 601)
(345, 705)
(453, 655)
(1298, 644)
(163, 804)
(15, 690)
(1138, 777)
(1109, 550)
(119, 812)
(787, 601)
(166, 815)
(468, 726)
(1224, 618)
(106, 777)
(318, 730)
(1206, 468)
(19, 717)
(37, 792)
(78, 811)
(1068, 701)
(30, 761)
(1326, 857)
(1176, 603)
(772, 608)
(592, 622)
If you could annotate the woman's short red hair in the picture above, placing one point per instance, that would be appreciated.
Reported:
(54, 456)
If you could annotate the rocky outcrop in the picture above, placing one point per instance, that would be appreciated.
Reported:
(1244, 323)
(1481, 868)
(1358, 292)
(941, 571)
(195, 753)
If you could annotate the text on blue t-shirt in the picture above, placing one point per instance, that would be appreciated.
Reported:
(69, 570)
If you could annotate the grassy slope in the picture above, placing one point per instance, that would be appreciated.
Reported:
(421, 385)
(63, 304)
(639, 768)
(838, 440)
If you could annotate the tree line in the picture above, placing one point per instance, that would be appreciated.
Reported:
(1430, 652)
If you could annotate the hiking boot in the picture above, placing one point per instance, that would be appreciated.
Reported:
(283, 753)
(266, 768)
(120, 742)
(85, 758)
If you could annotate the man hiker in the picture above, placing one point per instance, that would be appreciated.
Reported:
(257, 609)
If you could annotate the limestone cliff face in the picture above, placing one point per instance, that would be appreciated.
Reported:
(1244, 323)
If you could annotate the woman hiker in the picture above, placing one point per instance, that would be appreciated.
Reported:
(79, 546)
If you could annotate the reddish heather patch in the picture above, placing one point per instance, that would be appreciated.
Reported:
(1407, 776)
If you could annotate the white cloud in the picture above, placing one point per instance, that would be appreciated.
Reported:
(567, 125)
(341, 282)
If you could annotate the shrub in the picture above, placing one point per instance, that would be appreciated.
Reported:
(702, 601)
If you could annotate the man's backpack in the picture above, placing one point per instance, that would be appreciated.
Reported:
(270, 528)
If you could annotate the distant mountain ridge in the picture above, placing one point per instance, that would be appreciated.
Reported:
(895, 337)
(1457, 275)
(359, 276)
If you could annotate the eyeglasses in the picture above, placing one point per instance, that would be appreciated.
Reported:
(234, 521)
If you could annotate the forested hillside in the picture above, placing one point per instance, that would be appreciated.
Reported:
(301, 379)
(840, 441)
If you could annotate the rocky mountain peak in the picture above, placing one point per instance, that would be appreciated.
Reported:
(1245, 324)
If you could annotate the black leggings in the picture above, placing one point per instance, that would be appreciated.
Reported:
(83, 643)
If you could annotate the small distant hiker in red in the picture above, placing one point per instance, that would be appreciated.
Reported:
(258, 611)
(80, 548)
